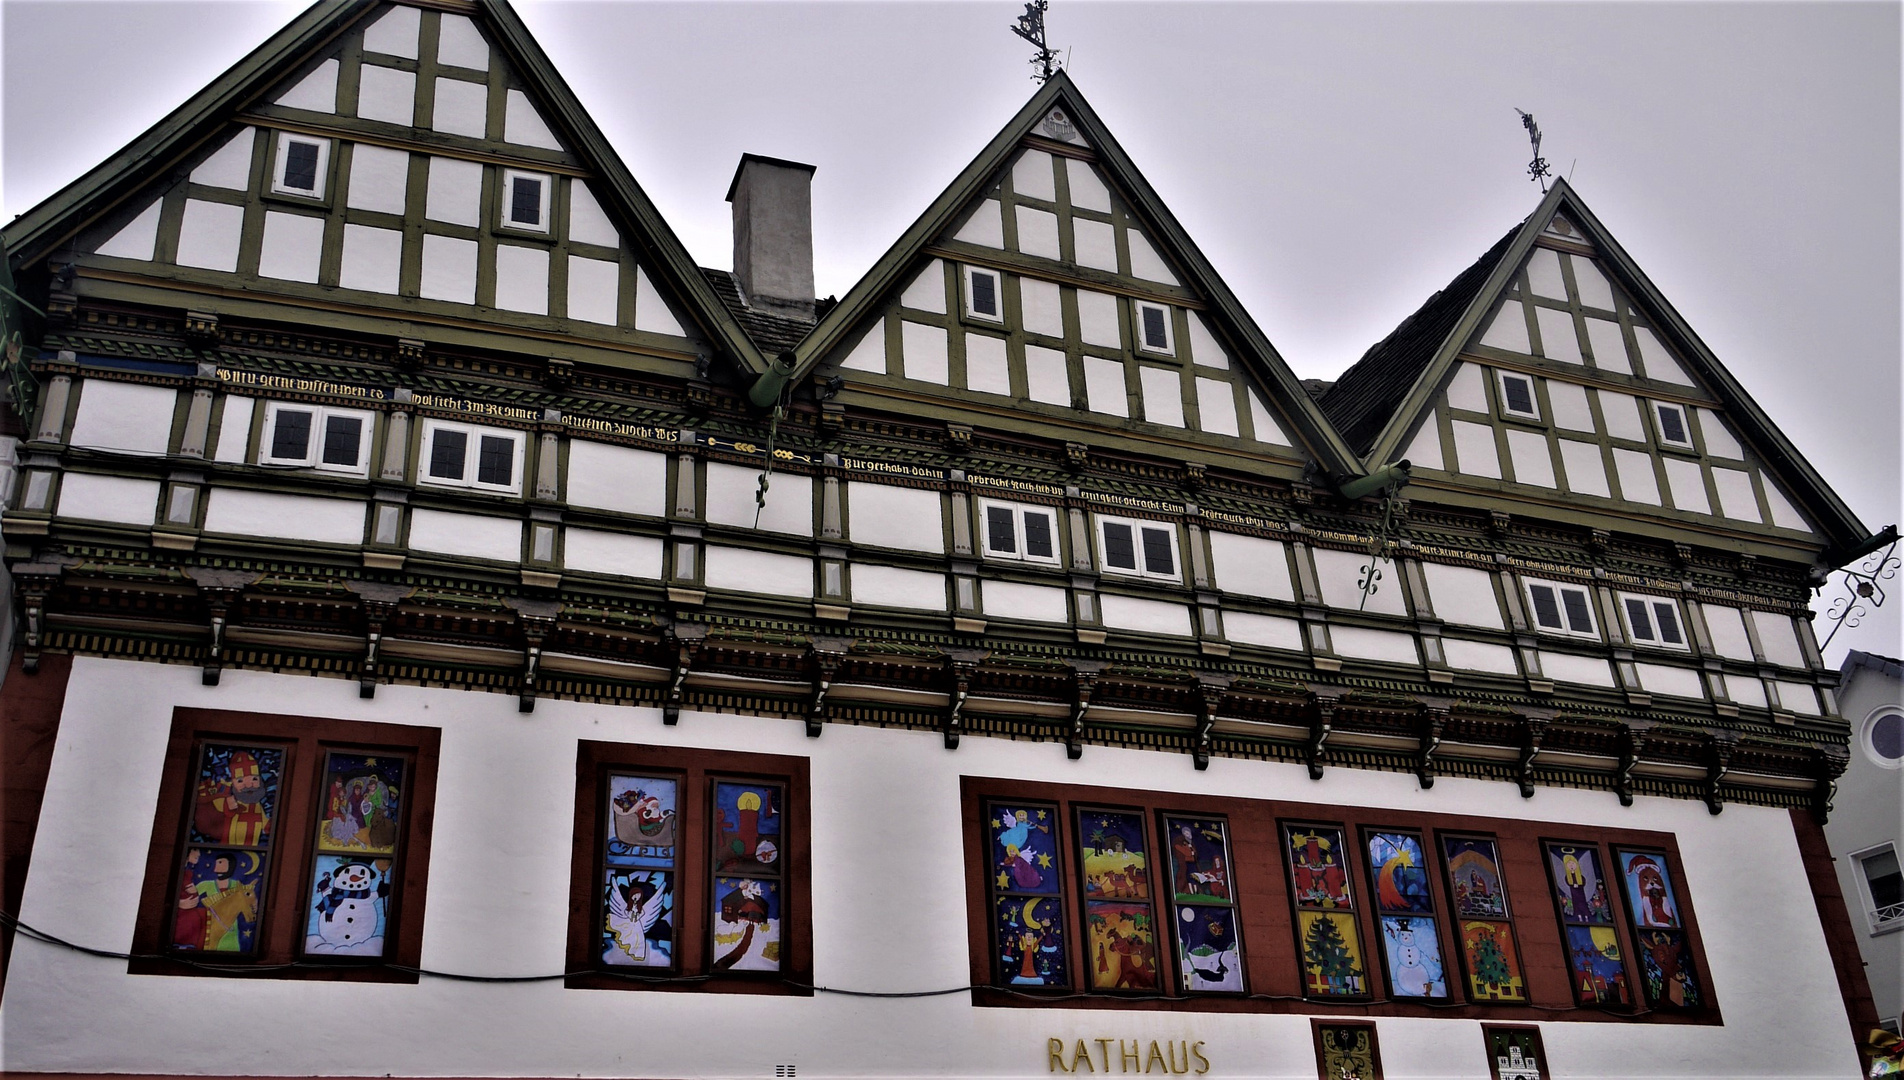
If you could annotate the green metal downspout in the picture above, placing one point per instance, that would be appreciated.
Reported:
(1380, 479)
(770, 384)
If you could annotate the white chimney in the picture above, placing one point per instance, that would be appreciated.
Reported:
(773, 234)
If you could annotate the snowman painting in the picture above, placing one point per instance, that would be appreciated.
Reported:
(347, 908)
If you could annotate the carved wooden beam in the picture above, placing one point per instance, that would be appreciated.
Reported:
(1533, 730)
(1434, 721)
(826, 654)
(962, 666)
(1320, 727)
(219, 589)
(1830, 763)
(34, 582)
(1084, 675)
(1212, 690)
(380, 602)
(1719, 747)
(687, 639)
(1632, 745)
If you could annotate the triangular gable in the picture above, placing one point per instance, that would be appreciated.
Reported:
(1080, 248)
(400, 159)
(1552, 366)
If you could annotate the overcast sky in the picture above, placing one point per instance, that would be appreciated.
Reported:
(1337, 163)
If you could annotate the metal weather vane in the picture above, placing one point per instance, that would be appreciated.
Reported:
(1536, 169)
(1031, 27)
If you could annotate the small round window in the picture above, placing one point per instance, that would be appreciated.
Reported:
(1884, 737)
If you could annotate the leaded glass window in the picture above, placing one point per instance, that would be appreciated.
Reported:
(1409, 933)
(1668, 977)
(229, 839)
(1584, 901)
(1490, 954)
(353, 872)
(1203, 921)
(1025, 880)
(640, 871)
(1328, 938)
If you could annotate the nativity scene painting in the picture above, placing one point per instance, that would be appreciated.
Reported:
(1116, 866)
(1474, 877)
(361, 803)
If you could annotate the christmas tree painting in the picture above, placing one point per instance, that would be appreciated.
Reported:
(1333, 967)
(1491, 969)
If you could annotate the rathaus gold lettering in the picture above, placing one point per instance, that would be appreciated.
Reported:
(1169, 1056)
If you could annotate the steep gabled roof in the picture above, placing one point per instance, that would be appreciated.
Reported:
(887, 275)
(1378, 402)
(40, 231)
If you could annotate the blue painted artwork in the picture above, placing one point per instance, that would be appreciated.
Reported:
(643, 814)
(1594, 961)
(347, 913)
(1116, 866)
(1209, 955)
(1412, 949)
(1199, 860)
(235, 801)
(1024, 849)
(1030, 936)
(221, 892)
(638, 926)
(747, 828)
(1401, 873)
(746, 924)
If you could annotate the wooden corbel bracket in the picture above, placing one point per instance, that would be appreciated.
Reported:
(1321, 725)
(1084, 675)
(1212, 691)
(1632, 746)
(1434, 722)
(961, 666)
(1719, 749)
(687, 639)
(1533, 730)
(827, 655)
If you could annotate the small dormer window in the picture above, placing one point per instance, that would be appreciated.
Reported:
(525, 201)
(982, 299)
(1153, 328)
(301, 166)
(1517, 396)
(1673, 429)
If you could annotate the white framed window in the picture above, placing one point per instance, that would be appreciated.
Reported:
(302, 166)
(1019, 532)
(1561, 609)
(1670, 421)
(470, 456)
(1154, 332)
(1653, 620)
(1140, 548)
(525, 200)
(317, 437)
(1517, 396)
(1881, 887)
(984, 294)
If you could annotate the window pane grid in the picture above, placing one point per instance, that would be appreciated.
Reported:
(1407, 929)
(495, 461)
(1668, 977)
(1328, 938)
(525, 201)
(1638, 621)
(1546, 606)
(1038, 535)
(1584, 901)
(448, 453)
(230, 834)
(1119, 546)
(984, 293)
(1204, 923)
(347, 912)
(1157, 556)
(300, 165)
(343, 435)
(640, 871)
(999, 533)
(1490, 953)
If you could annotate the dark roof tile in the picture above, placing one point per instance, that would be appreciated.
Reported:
(1363, 400)
(773, 333)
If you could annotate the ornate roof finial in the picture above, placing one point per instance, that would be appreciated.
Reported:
(1031, 27)
(1536, 169)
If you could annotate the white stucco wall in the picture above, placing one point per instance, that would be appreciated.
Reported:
(498, 904)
